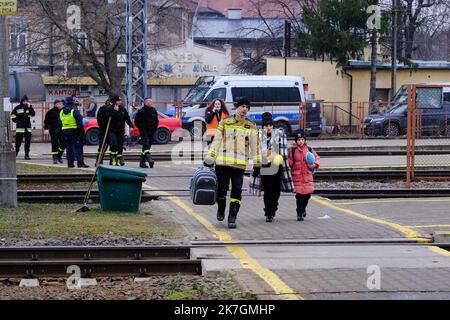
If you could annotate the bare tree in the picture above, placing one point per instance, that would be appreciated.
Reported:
(92, 49)
(269, 31)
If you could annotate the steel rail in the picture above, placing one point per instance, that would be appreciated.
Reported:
(320, 175)
(324, 242)
(325, 152)
(97, 261)
(98, 268)
(33, 253)
(149, 195)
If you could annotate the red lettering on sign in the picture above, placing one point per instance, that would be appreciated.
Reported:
(61, 92)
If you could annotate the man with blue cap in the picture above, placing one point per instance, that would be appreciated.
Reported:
(73, 133)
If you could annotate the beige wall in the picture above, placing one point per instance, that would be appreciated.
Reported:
(361, 80)
(330, 84)
(323, 79)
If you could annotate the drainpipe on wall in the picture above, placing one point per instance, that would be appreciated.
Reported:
(351, 98)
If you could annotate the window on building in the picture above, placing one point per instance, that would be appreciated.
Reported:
(18, 36)
(81, 37)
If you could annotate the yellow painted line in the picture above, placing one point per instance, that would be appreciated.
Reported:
(246, 261)
(395, 200)
(431, 226)
(408, 232)
(439, 250)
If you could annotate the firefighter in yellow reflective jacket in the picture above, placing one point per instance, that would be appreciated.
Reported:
(236, 141)
(21, 115)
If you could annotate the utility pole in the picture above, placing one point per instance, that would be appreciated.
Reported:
(51, 63)
(8, 178)
(136, 43)
(287, 43)
(394, 49)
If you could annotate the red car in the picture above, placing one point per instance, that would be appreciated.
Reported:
(166, 128)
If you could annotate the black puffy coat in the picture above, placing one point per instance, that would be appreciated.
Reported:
(118, 119)
(52, 121)
(21, 115)
(147, 121)
(102, 117)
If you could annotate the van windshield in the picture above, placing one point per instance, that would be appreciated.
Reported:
(199, 90)
(398, 109)
(196, 94)
(401, 95)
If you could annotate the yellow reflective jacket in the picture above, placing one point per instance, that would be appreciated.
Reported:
(236, 141)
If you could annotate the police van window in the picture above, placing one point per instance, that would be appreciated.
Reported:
(446, 96)
(267, 94)
(243, 92)
(282, 94)
(219, 93)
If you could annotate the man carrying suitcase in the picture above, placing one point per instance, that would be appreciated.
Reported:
(236, 140)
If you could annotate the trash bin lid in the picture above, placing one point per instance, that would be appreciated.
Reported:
(125, 170)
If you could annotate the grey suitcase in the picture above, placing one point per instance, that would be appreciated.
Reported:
(204, 186)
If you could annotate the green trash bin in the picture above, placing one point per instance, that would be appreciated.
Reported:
(120, 188)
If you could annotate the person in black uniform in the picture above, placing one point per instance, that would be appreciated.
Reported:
(21, 116)
(102, 121)
(52, 125)
(147, 122)
(119, 116)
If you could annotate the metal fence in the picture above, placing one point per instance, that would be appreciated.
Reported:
(337, 119)
(428, 130)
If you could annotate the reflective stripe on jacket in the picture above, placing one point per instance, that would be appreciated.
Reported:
(21, 115)
(236, 141)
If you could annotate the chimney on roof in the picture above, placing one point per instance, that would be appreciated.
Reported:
(234, 14)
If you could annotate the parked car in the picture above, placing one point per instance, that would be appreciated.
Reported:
(435, 120)
(166, 128)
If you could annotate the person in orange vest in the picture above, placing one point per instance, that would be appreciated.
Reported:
(216, 111)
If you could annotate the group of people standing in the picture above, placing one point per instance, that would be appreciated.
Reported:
(65, 124)
(111, 119)
(276, 167)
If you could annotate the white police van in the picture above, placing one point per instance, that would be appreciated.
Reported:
(279, 95)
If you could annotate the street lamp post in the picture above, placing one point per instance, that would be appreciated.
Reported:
(8, 178)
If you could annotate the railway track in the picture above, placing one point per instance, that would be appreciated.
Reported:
(26, 262)
(323, 152)
(142, 261)
(320, 175)
(52, 196)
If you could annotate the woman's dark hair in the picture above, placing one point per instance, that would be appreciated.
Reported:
(223, 106)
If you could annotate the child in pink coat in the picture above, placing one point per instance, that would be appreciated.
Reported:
(302, 173)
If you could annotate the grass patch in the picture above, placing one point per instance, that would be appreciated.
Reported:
(58, 220)
(22, 168)
(222, 286)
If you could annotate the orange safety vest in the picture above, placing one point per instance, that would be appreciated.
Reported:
(211, 128)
